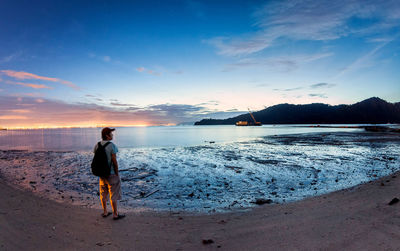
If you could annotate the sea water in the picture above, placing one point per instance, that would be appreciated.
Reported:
(200, 168)
(76, 139)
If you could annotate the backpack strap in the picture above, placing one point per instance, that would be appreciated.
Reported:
(100, 145)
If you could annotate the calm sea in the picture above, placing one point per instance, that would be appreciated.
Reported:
(78, 139)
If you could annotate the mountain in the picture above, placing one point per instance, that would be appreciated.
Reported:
(370, 111)
(185, 123)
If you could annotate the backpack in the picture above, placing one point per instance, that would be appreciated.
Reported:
(100, 165)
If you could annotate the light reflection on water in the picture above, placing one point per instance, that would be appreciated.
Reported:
(74, 139)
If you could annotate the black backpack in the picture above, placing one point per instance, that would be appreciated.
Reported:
(100, 165)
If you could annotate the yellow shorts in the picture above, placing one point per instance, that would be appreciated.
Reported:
(110, 185)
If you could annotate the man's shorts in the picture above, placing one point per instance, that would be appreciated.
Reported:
(110, 185)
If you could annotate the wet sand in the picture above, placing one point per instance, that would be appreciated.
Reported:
(352, 219)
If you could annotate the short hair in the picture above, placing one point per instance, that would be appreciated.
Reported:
(105, 132)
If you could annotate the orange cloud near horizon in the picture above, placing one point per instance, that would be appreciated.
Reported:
(48, 113)
(34, 86)
(12, 117)
(20, 111)
(43, 113)
(26, 75)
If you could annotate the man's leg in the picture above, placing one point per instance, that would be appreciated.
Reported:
(103, 187)
(116, 215)
(115, 195)
(104, 205)
(114, 208)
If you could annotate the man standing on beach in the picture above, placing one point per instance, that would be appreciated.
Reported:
(110, 185)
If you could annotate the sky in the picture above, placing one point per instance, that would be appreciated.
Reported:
(137, 63)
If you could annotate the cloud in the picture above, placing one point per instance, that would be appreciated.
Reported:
(365, 61)
(26, 75)
(285, 63)
(20, 111)
(261, 85)
(120, 104)
(178, 110)
(133, 108)
(320, 95)
(313, 86)
(29, 94)
(140, 69)
(42, 112)
(34, 86)
(239, 46)
(380, 39)
(105, 58)
(12, 117)
(184, 112)
(292, 89)
(151, 72)
(321, 85)
(210, 102)
(53, 113)
(289, 89)
(10, 58)
(310, 20)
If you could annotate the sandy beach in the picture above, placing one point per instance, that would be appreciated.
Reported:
(353, 219)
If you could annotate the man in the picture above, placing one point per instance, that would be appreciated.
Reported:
(110, 185)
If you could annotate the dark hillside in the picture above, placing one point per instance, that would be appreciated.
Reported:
(370, 111)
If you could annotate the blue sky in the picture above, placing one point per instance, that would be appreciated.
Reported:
(166, 62)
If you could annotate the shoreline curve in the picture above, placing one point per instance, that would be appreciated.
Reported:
(352, 219)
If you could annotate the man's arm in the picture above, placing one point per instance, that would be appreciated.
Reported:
(115, 163)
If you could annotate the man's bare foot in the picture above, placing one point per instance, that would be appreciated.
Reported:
(119, 216)
(104, 215)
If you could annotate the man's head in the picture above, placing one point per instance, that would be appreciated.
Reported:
(106, 133)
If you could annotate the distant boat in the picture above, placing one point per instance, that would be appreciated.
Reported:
(242, 123)
(246, 123)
